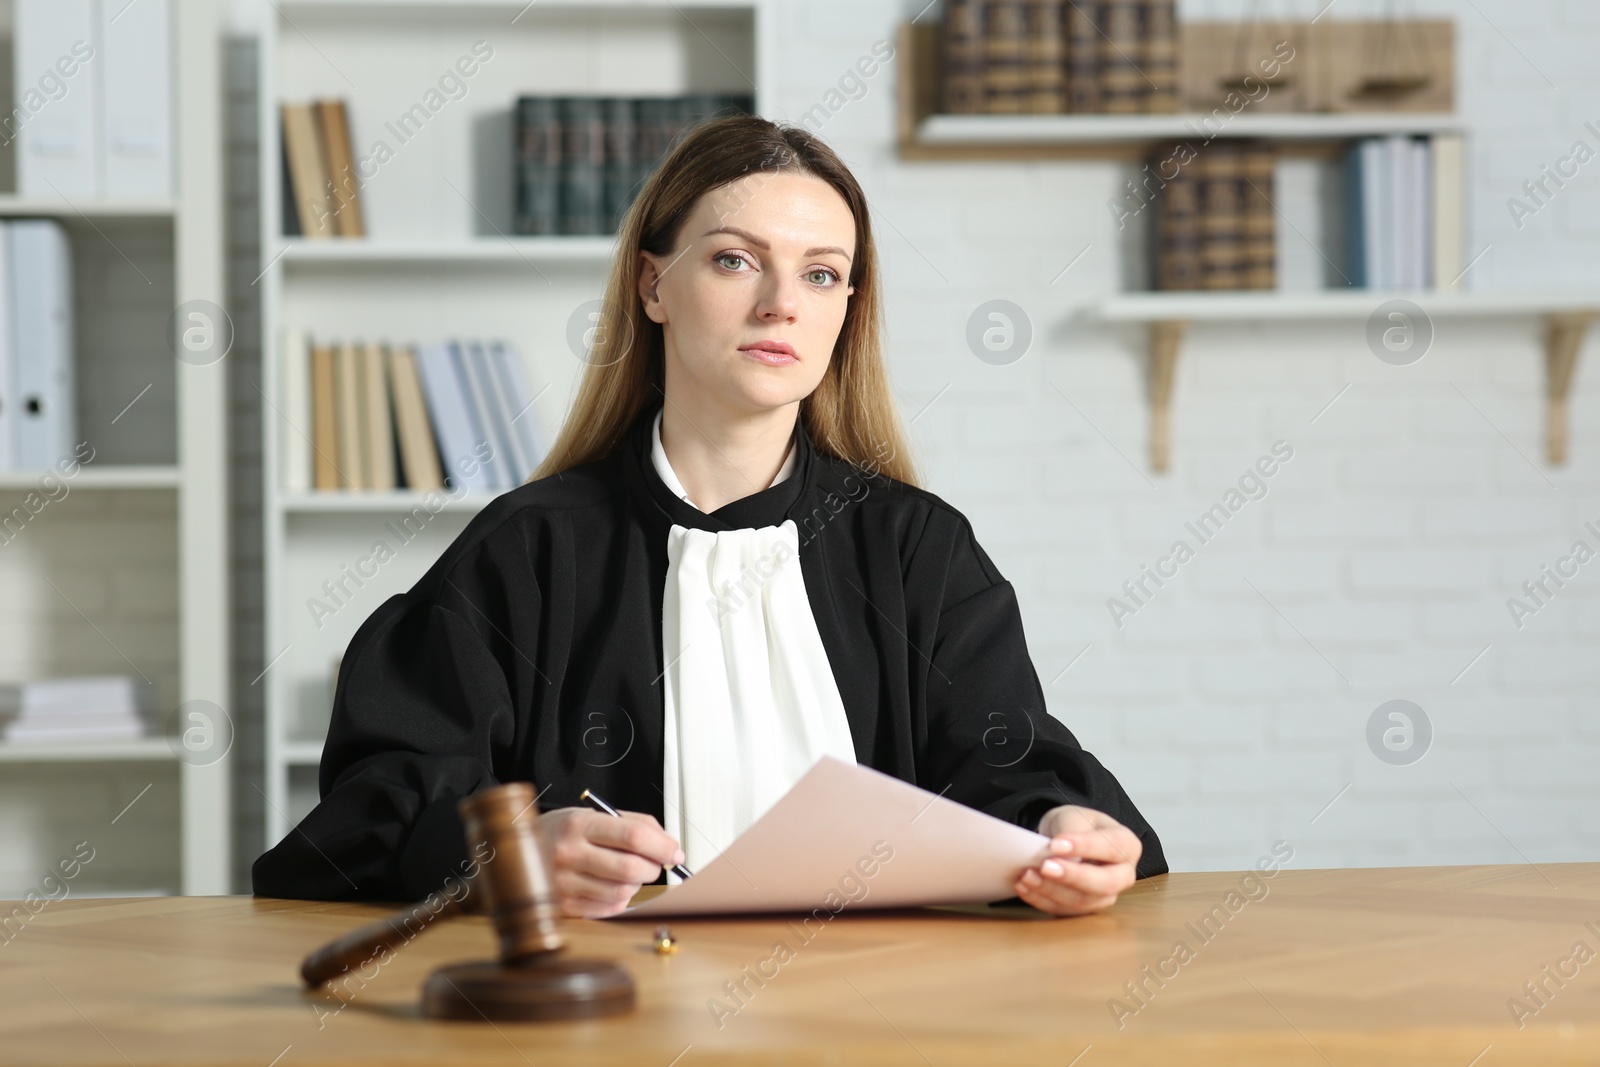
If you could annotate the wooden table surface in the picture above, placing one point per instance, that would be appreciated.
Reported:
(1314, 967)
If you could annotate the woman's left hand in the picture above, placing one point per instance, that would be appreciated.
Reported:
(1092, 859)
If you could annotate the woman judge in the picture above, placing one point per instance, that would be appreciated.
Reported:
(723, 571)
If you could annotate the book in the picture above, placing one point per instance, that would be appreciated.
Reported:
(1309, 231)
(1398, 161)
(377, 422)
(1369, 214)
(456, 413)
(1005, 57)
(297, 418)
(1083, 55)
(1257, 166)
(1448, 196)
(446, 396)
(961, 57)
(523, 420)
(583, 158)
(620, 167)
(1421, 219)
(538, 163)
(581, 161)
(471, 367)
(325, 418)
(1046, 42)
(42, 343)
(1158, 32)
(308, 170)
(1177, 230)
(333, 124)
(136, 80)
(1222, 235)
(509, 397)
(351, 415)
(419, 452)
(1122, 82)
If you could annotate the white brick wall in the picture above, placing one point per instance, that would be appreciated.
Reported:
(1391, 540)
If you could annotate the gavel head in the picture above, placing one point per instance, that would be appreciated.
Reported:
(501, 827)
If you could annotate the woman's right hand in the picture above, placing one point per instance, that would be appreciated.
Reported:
(597, 862)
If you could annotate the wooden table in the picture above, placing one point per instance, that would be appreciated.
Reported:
(1314, 967)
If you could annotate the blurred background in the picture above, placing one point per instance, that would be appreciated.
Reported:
(1252, 337)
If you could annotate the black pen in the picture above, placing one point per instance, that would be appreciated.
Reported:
(594, 798)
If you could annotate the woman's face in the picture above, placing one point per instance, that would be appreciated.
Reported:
(762, 259)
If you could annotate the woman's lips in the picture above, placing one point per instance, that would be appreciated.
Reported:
(772, 353)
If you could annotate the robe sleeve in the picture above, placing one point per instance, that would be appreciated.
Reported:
(990, 735)
(422, 715)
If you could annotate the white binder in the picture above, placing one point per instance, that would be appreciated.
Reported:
(136, 53)
(8, 421)
(58, 98)
(45, 405)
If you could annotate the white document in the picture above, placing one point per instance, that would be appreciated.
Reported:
(137, 82)
(849, 837)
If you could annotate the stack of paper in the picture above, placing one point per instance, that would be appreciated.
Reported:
(73, 709)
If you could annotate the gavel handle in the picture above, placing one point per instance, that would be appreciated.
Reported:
(359, 946)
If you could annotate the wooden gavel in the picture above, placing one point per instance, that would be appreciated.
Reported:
(531, 980)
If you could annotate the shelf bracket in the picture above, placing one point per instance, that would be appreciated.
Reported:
(1166, 337)
(1564, 334)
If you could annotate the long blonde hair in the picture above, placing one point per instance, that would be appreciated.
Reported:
(851, 413)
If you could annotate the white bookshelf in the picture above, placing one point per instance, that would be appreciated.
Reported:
(440, 260)
(158, 481)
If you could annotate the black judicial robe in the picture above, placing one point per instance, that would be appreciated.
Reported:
(532, 651)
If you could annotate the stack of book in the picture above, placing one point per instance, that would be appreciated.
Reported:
(385, 417)
(74, 709)
(581, 160)
(1050, 56)
(38, 416)
(1392, 187)
(321, 192)
(1216, 226)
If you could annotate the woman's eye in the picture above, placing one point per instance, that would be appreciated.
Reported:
(823, 273)
(736, 257)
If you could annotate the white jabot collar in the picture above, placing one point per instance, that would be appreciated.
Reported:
(749, 700)
(658, 456)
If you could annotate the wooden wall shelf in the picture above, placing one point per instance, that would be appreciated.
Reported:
(925, 134)
(1169, 315)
